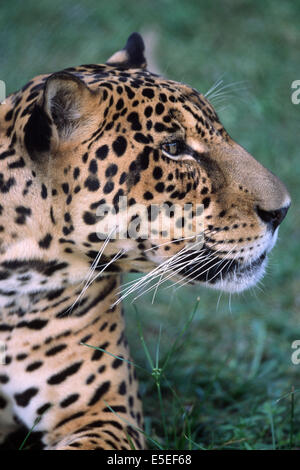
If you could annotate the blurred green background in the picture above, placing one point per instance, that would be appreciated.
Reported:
(230, 383)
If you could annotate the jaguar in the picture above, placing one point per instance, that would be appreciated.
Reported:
(87, 138)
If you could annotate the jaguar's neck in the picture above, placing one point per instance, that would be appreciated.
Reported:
(71, 302)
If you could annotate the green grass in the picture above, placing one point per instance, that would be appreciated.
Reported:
(229, 384)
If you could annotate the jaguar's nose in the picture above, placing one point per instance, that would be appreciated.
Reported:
(272, 218)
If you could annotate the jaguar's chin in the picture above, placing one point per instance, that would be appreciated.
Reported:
(226, 274)
(241, 277)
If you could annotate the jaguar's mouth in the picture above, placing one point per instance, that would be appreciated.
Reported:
(228, 274)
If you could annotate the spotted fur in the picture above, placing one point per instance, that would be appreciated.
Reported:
(70, 142)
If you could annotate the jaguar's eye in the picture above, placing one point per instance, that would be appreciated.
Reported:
(173, 149)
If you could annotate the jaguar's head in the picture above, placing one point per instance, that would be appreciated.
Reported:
(114, 165)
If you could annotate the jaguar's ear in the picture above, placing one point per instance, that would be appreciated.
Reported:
(62, 110)
(132, 56)
(66, 99)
